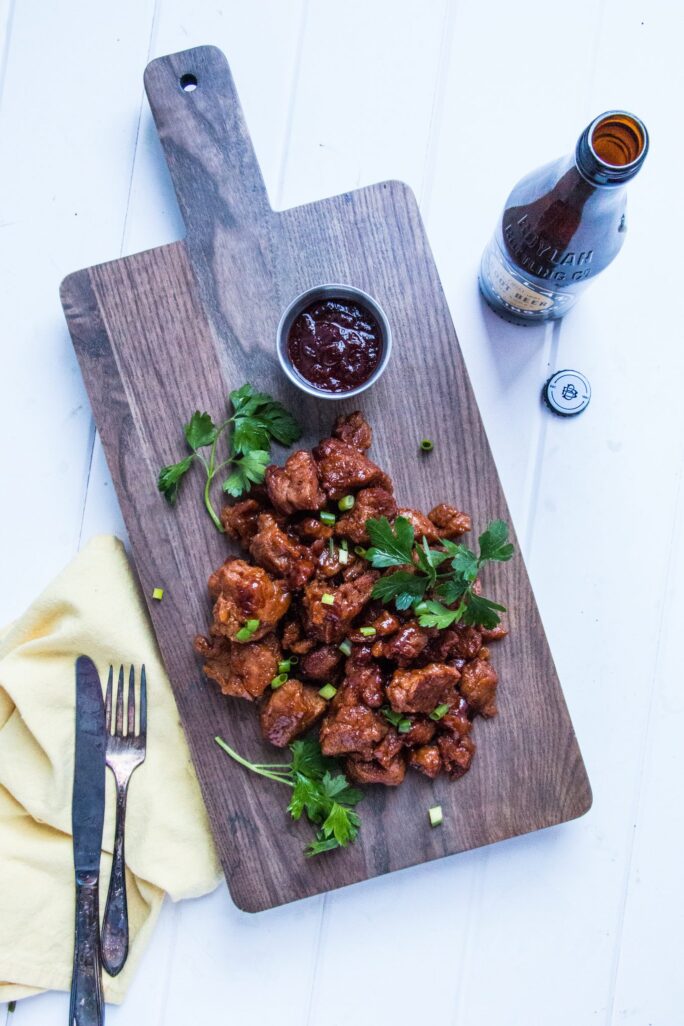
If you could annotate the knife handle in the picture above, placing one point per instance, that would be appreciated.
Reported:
(86, 984)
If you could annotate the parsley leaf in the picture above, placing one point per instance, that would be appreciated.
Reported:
(403, 587)
(482, 612)
(396, 546)
(439, 616)
(280, 423)
(341, 824)
(494, 542)
(321, 844)
(429, 559)
(170, 478)
(390, 547)
(308, 760)
(247, 469)
(318, 790)
(465, 563)
(258, 417)
(256, 421)
(200, 431)
(452, 589)
(249, 434)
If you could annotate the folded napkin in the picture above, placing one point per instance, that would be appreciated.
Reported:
(93, 608)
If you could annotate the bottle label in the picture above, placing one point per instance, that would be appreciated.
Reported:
(514, 291)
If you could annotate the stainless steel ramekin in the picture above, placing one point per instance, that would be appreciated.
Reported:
(332, 291)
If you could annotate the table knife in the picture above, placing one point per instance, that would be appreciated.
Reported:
(87, 817)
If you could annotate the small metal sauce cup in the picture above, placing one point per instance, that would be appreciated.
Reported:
(332, 291)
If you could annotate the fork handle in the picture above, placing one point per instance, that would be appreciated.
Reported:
(86, 1008)
(114, 940)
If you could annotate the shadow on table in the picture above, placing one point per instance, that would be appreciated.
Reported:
(513, 347)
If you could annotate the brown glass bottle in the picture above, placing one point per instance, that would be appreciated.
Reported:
(563, 223)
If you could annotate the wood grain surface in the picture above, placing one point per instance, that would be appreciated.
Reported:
(171, 330)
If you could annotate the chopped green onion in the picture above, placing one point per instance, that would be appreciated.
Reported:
(327, 599)
(346, 503)
(343, 557)
(439, 712)
(278, 681)
(327, 518)
(344, 544)
(426, 445)
(158, 594)
(294, 660)
(284, 665)
(368, 632)
(345, 646)
(328, 691)
(331, 546)
(244, 634)
(360, 551)
(435, 814)
(421, 608)
(252, 625)
(403, 726)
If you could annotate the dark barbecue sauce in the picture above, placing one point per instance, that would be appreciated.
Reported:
(335, 344)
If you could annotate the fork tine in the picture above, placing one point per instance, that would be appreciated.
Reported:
(143, 704)
(119, 703)
(108, 701)
(131, 703)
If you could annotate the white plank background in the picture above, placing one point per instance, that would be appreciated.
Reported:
(576, 925)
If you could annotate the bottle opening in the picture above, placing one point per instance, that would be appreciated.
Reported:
(618, 140)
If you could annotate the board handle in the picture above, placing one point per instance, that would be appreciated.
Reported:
(205, 139)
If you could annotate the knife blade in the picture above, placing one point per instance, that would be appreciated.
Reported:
(87, 819)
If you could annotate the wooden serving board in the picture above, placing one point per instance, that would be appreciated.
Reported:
(172, 330)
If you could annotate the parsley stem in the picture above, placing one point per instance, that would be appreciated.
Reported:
(255, 767)
(212, 470)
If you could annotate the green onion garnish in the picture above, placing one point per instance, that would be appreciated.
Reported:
(439, 712)
(245, 633)
(328, 691)
(344, 544)
(360, 551)
(421, 608)
(278, 681)
(345, 646)
(403, 726)
(158, 594)
(294, 660)
(343, 556)
(346, 503)
(427, 445)
(368, 632)
(435, 815)
(331, 546)
(284, 665)
(327, 599)
(327, 518)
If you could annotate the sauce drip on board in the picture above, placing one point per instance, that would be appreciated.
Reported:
(335, 344)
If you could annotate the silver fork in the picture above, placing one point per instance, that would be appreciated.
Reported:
(124, 753)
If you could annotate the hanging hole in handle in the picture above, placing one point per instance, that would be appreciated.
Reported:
(188, 83)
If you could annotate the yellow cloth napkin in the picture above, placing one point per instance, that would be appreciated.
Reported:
(94, 608)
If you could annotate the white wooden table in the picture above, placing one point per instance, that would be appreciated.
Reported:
(577, 925)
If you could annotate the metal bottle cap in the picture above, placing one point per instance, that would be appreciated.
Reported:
(567, 393)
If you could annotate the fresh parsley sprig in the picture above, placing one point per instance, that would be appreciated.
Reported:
(256, 421)
(440, 598)
(317, 790)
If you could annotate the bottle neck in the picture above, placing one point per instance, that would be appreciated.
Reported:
(611, 149)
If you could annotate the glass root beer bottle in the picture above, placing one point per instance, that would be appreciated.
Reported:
(563, 223)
